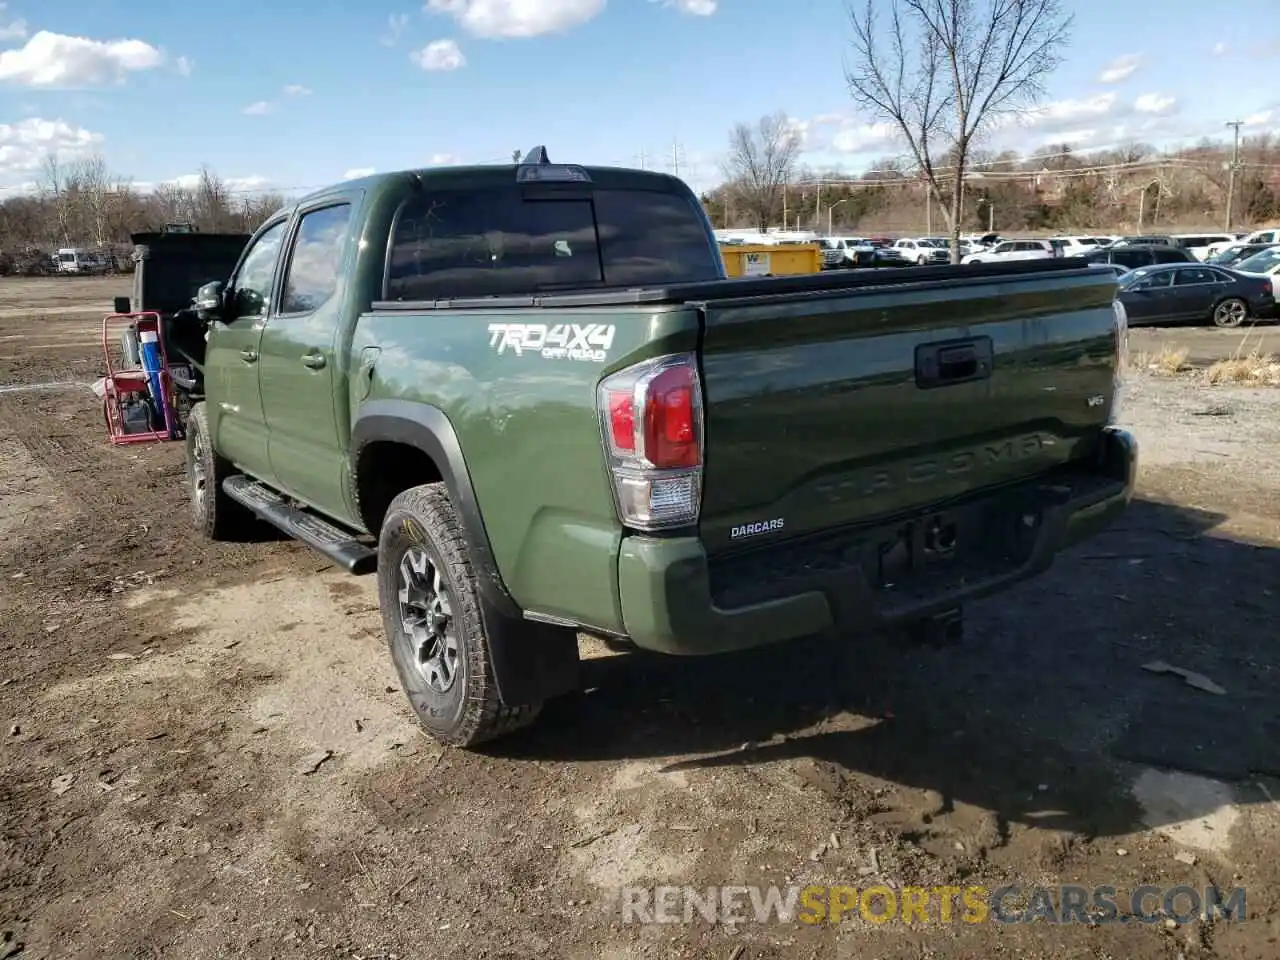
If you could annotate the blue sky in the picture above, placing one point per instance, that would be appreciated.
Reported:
(298, 94)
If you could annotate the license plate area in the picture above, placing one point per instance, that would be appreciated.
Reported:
(944, 543)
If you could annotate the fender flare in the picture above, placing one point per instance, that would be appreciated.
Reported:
(426, 428)
(531, 660)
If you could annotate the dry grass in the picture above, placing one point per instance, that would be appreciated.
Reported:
(1169, 361)
(1247, 366)
(1254, 368)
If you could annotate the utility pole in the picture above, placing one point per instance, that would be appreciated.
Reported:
(643, 164)
(675, 157)
(1231, 174)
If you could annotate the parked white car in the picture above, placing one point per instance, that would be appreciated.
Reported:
(1015, 250)
(1078, 246)
(924, 250)
(1200, 245)
(1269, 235)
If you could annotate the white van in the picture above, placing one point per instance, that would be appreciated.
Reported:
(76, 260)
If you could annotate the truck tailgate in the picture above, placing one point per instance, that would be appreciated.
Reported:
(830, 409)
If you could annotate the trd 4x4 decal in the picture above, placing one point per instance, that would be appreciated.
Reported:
(560, 341)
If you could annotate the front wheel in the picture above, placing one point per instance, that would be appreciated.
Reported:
(431, 615)
(214, 514)
(1230, 313)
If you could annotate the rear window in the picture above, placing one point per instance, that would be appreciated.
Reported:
(1171, 255)
(478, 243)
(1131, 258)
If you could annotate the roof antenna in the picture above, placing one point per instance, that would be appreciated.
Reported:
(537, 155)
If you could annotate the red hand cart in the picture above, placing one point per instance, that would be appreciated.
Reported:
(138, 403)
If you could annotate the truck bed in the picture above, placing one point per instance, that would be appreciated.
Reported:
(836, 282)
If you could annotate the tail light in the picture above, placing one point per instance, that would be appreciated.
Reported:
(1120, 328)
(652, 425)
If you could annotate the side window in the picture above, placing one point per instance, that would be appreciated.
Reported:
(1004, 248)
(253, 283)
(1130, 258)
(1161, 280)
(1192, 275)
(312, 274)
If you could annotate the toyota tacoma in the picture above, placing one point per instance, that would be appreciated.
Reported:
(528, 400)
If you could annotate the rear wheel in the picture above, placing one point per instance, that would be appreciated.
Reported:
(431, 614)
(1230, 313)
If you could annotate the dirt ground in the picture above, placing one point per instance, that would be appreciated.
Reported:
(205, 754)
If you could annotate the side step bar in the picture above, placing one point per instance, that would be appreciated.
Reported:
(341, 546)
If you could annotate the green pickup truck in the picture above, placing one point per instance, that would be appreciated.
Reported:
(529, 399)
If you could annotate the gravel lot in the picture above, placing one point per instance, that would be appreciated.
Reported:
(205, 754)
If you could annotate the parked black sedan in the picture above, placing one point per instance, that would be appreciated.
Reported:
(1176, 293)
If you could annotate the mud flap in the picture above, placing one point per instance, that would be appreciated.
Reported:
(532, 661)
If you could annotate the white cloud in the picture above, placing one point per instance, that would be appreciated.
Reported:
(184, 66)
(1219, 49)
(258, 109)
(1259, 118)
(297, 90)
(1097, 121)
(397, 23)
(355, 173)
(1155, 103)
(55, 60)
(189, 181)
(11, 29)
(23, 145)
(864, 138)
(443, 159)
(696, 8)
(439, 55)
(1121, 68)
(495, 19)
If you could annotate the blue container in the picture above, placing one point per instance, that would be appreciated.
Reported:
(150, 350)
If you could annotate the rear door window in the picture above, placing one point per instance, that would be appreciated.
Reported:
(1194, 275)
(478, 243)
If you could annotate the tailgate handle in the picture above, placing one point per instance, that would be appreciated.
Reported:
(954, 361)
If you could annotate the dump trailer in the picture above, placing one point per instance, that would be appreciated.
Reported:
(771, 260)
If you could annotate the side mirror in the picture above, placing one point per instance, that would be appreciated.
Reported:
(208, 300)
(123, 305)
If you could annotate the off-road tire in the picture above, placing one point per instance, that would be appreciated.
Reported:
(1231, 312)
(469, 712)
(214, 514)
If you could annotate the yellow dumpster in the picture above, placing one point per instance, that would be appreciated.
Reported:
(764, 260)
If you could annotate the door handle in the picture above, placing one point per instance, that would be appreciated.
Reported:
(313, 361)
(249, 356)
(952, 362)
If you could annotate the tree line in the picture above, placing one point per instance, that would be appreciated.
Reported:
(83, 204)
(1132, 187)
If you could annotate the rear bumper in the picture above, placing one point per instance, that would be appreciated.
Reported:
(674, 600)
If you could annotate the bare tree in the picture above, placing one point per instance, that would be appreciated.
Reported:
(56, 185)
(761, 162)
(95, 196)
(942, 71)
